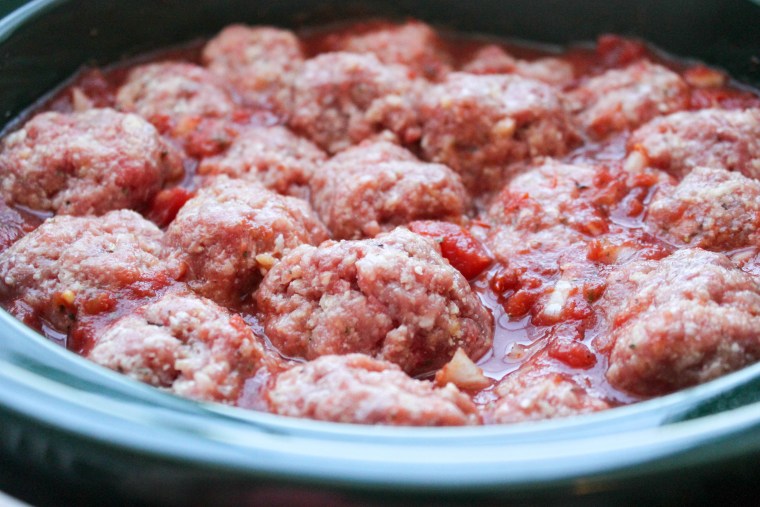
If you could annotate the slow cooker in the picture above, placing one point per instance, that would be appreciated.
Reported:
(73, 433)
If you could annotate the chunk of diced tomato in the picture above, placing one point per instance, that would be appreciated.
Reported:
(572, 352)
(166, 204)
(458, 246)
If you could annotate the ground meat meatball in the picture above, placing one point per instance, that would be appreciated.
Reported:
(492, 59)
(479, 124)
(553, 193)
(532, 395)
(393, 297)
(185, 344)
(686, 319)
(174, 90)
(74, 264)
(341, 99)
(273, 156)
(711, 208)
(413, 44)
(184, 101)
(85, 163)
(682, 141)
(507, 242)
(622, 99)
(361, 198)
(233, 231)
(358, 389)
(260, 62)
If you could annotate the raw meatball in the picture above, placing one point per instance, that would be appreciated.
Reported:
(73, 264)
(684, 320)
(185, 344)
(358, 389)
(359, 197)
(532, 395)
(711, 208)
(479, 124)
(622, 99)
(553, 194)
(85, 163)
(711, 137)
(260, 63)
(341, 99)
(507, 242)
(174, 90)
(184, 101)
(273, 156)
(414, 44)
(393, 297)
(233, 231)
(492, 59)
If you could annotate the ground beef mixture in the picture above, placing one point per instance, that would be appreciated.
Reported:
(394, 297)
(340, 99)
(413, 44)
(480, 124)
(183, 343)
(711, 208)
(260, 63)
(184, 101)
(355, 388)
(493, 59)
(86, 163)
(376, 185)
(273, 156)
(174, 90)
(625, 98)
(530, 394)
(233, 232)
(686, 319)
(71, 265)
(679, 142)
(385, 223)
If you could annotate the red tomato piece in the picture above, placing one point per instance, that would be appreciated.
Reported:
(205, 137)
(458, 246)
(103, 302)
(166, 204)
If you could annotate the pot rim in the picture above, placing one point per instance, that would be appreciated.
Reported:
(52, 387)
